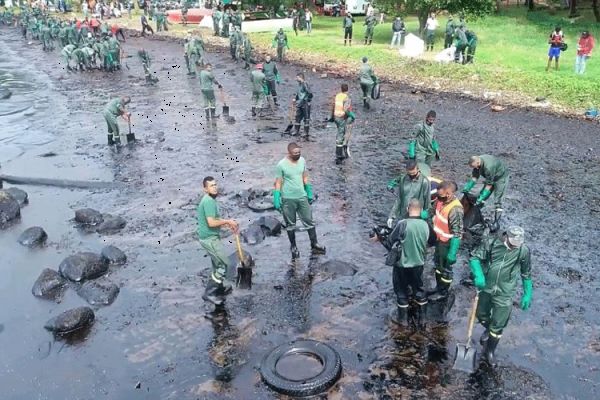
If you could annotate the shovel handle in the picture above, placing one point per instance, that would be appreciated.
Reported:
(129, 124)
(239, 248)
(222, 93)
(472, 318)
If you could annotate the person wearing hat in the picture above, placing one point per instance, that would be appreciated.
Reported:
(423, 146)
(496, 265)
(257, 77)
(209, 234)
(450, 28)
(370, 23)
(114, 109)
(272, 78)
(293, 195)
(584, 51)
(342, 112)
(495, 174)
(367, 80)
(347, 25)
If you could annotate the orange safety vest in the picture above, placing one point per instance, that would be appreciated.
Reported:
(440, 220)
(338, 110)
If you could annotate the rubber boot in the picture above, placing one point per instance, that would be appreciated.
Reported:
(225, 288)
(213, 113)
(130, 138)
(346, 152)
(345, 42)
(306, 130)
(495, 226)
(400, 315)
(370, 40)
(314, 245)
(207, 111)
(117, 140)
(484, 337)
(293, 248)
(275, 101)
(350, 42)
(339, 154)
(365, 42)
(254, 111)
(441, 289)
(489, 351)
(110, 140)
(296, 130)
(211, 293)
(421, 315)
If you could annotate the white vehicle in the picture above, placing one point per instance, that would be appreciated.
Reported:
(357, 7)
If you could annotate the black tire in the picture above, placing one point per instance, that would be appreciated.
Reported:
(329, 358)
(375, 91)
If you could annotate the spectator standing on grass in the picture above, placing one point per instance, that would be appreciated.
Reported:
(347, 24)
(584, 51)
(556, 41)
(450, 28)
(430, 28)
(308, 17)
(398, 31)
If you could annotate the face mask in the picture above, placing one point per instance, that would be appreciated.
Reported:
(413, 177)
(214, 196)
(295, 157)
(443, 199)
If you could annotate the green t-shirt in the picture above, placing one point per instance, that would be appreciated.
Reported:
(207, 208)
(292, 182)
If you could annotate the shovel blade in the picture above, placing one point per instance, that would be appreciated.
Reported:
(244, 277)
(226, 111)
(465, 358)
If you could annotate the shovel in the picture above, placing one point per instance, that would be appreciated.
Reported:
(244, 272)
(291, 114)
(347, 138)
(225, 106)
(466, 355)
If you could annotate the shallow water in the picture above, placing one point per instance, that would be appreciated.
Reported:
(156, 334)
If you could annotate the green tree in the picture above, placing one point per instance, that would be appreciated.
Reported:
(473, 8)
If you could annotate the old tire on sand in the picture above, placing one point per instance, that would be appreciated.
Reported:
(330, 368)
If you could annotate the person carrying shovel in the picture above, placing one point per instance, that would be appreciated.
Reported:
(207, 80)
(496, 265)
(116, 108)
(209, 229)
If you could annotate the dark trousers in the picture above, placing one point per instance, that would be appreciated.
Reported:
(303, 113)
(408, 283)
(347, 33)
(145, 28)
(448, 41)
(272, 86)
(119, 32)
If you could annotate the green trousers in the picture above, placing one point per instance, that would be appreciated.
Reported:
(498, 191)
(443, 270)
(208, 97)
(258, 99)
(424, 162)
(300, 207)
(492, 315)
(366, 91)
(369, 33)
(340, 123)
(111, 121)
(219, 260)
(280, 53)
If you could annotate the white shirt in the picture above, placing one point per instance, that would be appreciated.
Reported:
(431, 24)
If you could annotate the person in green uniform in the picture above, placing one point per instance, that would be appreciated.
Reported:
(370, 23)
(146, 62)
(423, 146)
(257, 77)
(496, 265)
(409, 238)
(302, 102)
(343, 116)
(495, 175)
(184, 12)
(226, 22)
(247, 51)
(412, 185)
(217, 17)
(471, 46)
(347, 23)
(209, 235)
(62, 35)
(237, 19)
(186, 55)
(367, 80)
(448, 228)
(233, 45)
(46, 38)
(272, 78)
(66, 54)
(207, 80)
(195, 51)
(449, 34)
(292, 195)
(461, 43)
(239, 43)
(72, 35)
(114, 48)
(281, 41)
(114, 109)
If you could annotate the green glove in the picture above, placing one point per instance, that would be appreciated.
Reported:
(278, 78)
(273, 43)
(309, 192)
(477, 271)
(424, 215)
(351, 116)
(527, 293)
(435, 146)
(485, 193)
(411, 149)
(468, 186)
(265, 90)
(277, 199)
(454, 245)
(391, 185)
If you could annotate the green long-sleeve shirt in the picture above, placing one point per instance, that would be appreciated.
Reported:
(423, 135)
(492, 169)
(419, 188)
(270, 70)
(412, 234)
(258, 81)
(502, 267)
(207, 79)
(366, 74)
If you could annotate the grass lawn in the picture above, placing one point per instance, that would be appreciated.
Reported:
(511, 57)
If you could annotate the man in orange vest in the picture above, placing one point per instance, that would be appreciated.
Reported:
(342, 111)
(448, 227)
